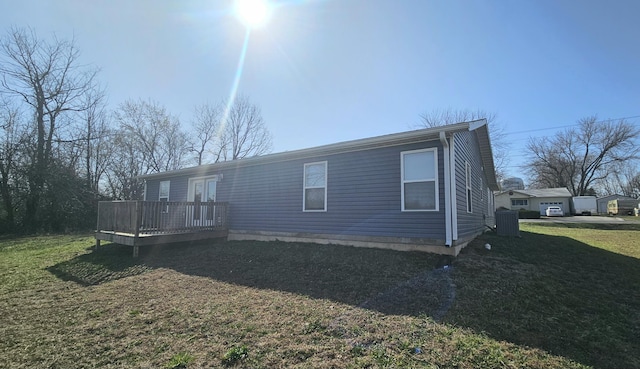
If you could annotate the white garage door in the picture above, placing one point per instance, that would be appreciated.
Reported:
(545, 205)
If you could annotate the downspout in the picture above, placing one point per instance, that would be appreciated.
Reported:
(447, 191)
(452, 181)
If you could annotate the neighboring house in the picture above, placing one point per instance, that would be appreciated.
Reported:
(603, 201)
(426, 190)
(535, 199)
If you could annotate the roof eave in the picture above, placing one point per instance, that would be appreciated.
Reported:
(479, 126)
(486, 153)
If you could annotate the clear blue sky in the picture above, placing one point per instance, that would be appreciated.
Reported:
(326, 71)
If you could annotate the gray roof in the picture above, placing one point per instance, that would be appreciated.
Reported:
(543, 192)
(477, 126)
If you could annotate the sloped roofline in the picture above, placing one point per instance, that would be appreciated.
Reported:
(541, 192)
(394, 139)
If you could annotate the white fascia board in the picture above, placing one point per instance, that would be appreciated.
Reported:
(473, 125)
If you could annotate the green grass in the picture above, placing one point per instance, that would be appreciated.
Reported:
(562, 296)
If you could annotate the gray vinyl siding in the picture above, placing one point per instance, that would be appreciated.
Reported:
(152, 189)
(363, 198)
(467, 150)
(177, 189)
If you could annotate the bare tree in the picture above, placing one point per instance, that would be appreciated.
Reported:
(577, 158)
(633, 186)
(94, 135)
(48, 78)
(499, 143)
(207, 133)
(245, 133)
(624, 179)
(162, 142)
(10, 140)
(147, 140)
(128, 162)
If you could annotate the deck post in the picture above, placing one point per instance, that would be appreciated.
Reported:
(138, 220)
(97, 244)
(135, 250)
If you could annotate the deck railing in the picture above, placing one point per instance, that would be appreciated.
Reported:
(161, 217)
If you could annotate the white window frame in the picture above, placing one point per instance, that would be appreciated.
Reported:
(525, 202)
(305, 187)
(433, 179)
(165, 208)
(469, 191)
(205, 180)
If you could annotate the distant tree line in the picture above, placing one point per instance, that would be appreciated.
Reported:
(62, 150)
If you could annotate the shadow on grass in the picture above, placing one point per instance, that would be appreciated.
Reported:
(110, 263)
(554, 293)
(549, 292)
(350, 275)
(403, 283)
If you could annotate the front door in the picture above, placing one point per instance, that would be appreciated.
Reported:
(202, 192)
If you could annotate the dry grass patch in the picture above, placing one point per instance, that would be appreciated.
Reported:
(264, 305)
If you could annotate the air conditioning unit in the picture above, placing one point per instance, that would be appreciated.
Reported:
(507, 223)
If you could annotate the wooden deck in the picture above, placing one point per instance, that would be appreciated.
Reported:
(139, 223)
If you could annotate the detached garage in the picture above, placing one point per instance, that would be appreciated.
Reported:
(536, 199)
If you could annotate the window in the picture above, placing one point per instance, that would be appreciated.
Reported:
(419, 180)
(519, 202)
(315, 187)
(163, 194)
(468, 182)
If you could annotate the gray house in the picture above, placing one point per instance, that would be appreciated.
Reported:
(427, 190)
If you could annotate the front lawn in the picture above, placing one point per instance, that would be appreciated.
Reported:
(558, 297)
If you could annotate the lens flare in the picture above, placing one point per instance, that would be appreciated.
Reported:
(253, 13)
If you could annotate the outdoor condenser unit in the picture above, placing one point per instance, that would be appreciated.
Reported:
(507, 223)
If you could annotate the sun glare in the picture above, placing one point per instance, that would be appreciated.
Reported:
(253, 13)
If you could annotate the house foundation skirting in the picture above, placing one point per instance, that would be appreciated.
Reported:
(391, 243)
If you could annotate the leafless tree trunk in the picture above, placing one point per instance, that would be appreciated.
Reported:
(47, 77)
(578, 158)
(499, 143)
